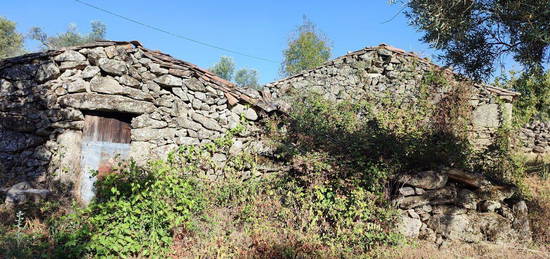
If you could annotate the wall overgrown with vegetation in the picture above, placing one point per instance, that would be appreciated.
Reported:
(316, 180)
(389, 77)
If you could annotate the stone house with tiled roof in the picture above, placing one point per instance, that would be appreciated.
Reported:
(65, 112)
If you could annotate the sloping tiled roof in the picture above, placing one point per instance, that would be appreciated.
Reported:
(231, 91)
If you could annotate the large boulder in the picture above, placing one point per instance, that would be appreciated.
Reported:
(47, 71)
(70, 59)
(445, 195)
(206, 122)
(70, 55)
(146, 134)
(486, 116)
(521, 221)
(406, 191)
(409, 227)
(113, 67)
(145, 121)
(473, 227)
(169, 80)
(90, 71)
(106, 85)
(456, 227)
(426, 179)
(194, 84)
(21, 192)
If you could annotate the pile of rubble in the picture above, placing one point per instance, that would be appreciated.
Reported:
(452, 204)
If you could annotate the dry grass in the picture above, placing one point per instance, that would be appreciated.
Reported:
(231, 232)
(428, 250)
(537, 183)
(539, 208)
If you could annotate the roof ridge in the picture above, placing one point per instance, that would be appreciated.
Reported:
(223, 85)
(385, 46)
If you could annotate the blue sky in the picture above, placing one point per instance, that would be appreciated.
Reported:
(258, 28)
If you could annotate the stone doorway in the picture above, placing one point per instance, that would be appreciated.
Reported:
(106, 137)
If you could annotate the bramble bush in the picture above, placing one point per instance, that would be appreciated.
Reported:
(134, 213)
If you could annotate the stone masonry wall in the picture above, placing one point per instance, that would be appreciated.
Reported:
(385, 72)
(45, 96)
(453, 205)
(535, 137)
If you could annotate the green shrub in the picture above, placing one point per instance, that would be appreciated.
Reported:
(358, 135)
(350, 220)
(20, 242)
(137, 209)
(135, 213)
(534, 101)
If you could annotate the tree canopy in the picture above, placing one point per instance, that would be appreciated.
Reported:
(534, 101)
(475, 34)
(11, 42)
(224, 68)
(307, 48)
(246, 78)
(69, 38)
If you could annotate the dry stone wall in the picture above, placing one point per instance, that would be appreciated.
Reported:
(385, 73)
(44, 98)
(454, 205)
(535, 137)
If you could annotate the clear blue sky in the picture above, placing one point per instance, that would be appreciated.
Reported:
(259, 28)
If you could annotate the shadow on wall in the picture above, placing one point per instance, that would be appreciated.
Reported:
(358, 147)
(30, 119)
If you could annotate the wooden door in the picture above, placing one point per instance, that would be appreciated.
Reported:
(104, 140)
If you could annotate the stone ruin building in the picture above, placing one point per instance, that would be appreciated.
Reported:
(386, 72)
(66, 112)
